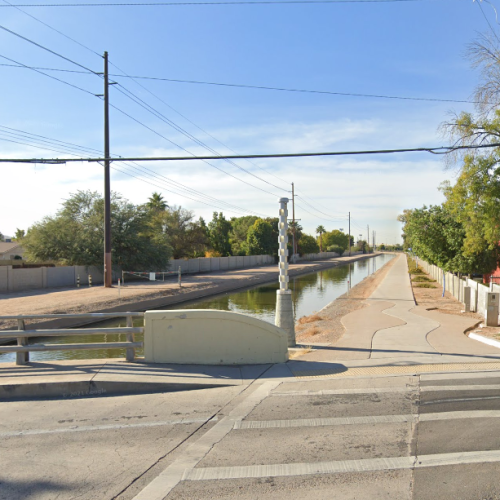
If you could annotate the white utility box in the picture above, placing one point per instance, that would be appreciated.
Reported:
(491, 312)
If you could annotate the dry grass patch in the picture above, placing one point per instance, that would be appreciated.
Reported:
(311, 331)
(424, 285)
(295, 353)
(309, 319)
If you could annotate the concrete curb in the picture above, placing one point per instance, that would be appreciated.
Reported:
(85, 388)
(485, 340)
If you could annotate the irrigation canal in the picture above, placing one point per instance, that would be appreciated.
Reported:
(310, 293)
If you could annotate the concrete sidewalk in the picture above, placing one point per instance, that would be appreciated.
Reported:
(391, 335)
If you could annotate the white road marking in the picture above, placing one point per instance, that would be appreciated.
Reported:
(376, 419)
(90, 428)
(383, 390)
(161, 486)
(341, 466)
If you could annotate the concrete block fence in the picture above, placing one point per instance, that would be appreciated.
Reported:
(18, 280)
(455, 286)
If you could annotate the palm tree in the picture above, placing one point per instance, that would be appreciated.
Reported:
(320, 230)
(157, 203)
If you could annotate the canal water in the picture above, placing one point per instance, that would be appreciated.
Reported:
(310, 293)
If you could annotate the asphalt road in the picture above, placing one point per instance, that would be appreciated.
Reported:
(429, 436)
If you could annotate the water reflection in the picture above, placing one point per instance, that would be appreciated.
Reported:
(310, 293)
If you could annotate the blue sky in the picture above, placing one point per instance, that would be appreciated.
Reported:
(412, 49)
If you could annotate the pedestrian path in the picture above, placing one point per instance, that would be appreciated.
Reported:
(393, 331)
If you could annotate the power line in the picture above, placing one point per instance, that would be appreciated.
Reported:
(142, 103)
(50, 27)
(258, 87)
(167, 4)
(49, 76)
(307, 91)
(434, 150)
(47, 49)
(71, 148)
(190, 157)
(192, 123)
(162, 117)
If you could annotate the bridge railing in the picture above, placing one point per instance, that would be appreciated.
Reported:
(22, 334)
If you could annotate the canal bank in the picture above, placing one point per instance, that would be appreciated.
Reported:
(311, 292)
(152, 295)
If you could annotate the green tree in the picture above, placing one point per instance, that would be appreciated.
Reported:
(260, 239)
(308, 244)
(2, 237)
(20, 234)
(320, 230)
(218, 233)
(186, 237)
(437, 235)
(156, 203)
(239, 232)
(75, 235)
(336, 238)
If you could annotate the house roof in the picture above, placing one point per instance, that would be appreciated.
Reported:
(8, 247)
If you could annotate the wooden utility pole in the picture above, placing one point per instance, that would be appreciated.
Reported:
(107, 188)
(294, 243)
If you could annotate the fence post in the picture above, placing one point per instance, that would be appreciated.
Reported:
(78, 281)
(90, 280)
(130, 338)
(180, 278)
(22, 357)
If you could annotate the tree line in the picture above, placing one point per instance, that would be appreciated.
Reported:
(147, 236)
(463, 233)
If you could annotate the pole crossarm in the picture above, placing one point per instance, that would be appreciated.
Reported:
(433, 150)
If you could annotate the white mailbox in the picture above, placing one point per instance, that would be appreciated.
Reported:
(491, 312)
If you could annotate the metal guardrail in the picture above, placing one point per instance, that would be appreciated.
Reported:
(22, 349)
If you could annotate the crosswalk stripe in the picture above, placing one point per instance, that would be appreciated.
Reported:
(341, 466)
(372, 419)
(384, 390)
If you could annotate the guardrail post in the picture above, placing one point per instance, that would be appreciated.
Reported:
(130, 338)
(22, 357)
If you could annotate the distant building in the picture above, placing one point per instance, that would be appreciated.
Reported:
(10, 250)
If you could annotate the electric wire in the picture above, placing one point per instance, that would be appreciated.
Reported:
(191, 122)
(168, 4)
(71, 148)
(79, 88)
(49, 76)
(51, 28)
(193, 156)
(48, 50)
(432, 150)
(166, 120)
(131, 95)
(258, 87)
